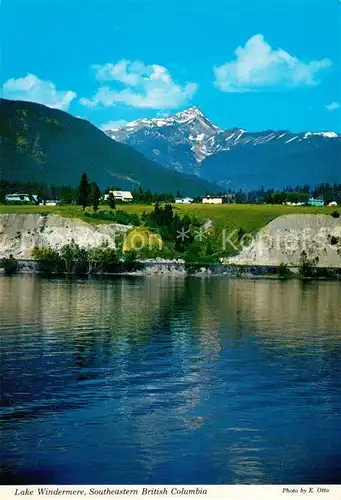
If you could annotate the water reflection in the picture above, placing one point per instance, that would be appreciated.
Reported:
(173, 380)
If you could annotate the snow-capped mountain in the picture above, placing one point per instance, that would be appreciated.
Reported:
(179, 142)
(189, 142)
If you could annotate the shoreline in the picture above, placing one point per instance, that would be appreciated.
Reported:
(176, 268)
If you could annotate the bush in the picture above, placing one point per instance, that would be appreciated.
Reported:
(335, 214)
(103, 260)
(307, 266)
(130, 263)
(76, 258)
(119, 217)
(10, 265)
(198, 256)
(49, 261)
(326, 273)
(284, 271)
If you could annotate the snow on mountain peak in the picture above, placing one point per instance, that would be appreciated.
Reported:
(330, 135)
(188, 114)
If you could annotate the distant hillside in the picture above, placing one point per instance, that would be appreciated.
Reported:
(38, 143)
(189, 142)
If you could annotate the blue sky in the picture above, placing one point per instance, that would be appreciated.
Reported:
(254, 64)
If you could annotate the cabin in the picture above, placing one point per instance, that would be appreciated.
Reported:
(21, 197)
(214, 200)
(187, 199)
(218, 200)
(50, 203)
(293, 204)
(316, 202)
(124, 196)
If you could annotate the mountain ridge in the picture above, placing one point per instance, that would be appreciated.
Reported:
(189, 142)
(38, 143)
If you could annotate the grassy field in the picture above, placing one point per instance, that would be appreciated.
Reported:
(249, 218)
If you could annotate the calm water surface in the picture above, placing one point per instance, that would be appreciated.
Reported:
(170, 380)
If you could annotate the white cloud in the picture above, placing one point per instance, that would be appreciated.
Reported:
(146, 86)
(31, 88)
(332, 106)
(113, 125)
(258, 66)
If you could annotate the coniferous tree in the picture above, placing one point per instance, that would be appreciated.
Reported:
(2, 193)
(111, 201)
(95, 196)
(84, 191)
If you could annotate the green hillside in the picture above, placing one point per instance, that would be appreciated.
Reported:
(38, 143)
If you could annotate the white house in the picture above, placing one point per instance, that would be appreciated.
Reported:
(298, 204)
(187, 199)
(21, 197)
(214, 200)
(50, 203)
(316, 202)
(120, 195)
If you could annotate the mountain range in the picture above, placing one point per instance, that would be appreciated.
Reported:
(190, 143)
(38, 143)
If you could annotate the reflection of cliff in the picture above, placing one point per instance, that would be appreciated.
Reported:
(229, 306)
(121, 304)
(192, 311)
(292, 308)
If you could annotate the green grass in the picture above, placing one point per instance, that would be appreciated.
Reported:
(70, 211)
(248, 217)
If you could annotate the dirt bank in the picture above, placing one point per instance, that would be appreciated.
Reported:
(285, 238)
(19, 233)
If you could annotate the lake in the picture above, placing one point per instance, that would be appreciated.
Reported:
(170, 380)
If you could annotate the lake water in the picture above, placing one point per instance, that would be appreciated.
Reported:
(165, 380)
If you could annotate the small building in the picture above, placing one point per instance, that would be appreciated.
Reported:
(21, 197)
(293, 204)
(120, 196)
(187, 199)
(332, 204)
(214, 200)
(50, 203)
(316, 202)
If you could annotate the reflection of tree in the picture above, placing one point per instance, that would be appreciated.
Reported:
(112, 328)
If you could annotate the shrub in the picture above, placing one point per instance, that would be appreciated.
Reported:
(335, 214)
(119, 216)
(10, 265)
(307, 266)
(326, 273)
(197, 256)
(49, 261)
(130, 261)
(284, 271)
(103, 260)
(75, 258)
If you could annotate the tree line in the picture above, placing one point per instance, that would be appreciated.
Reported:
(293, 194)
(88, 193)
